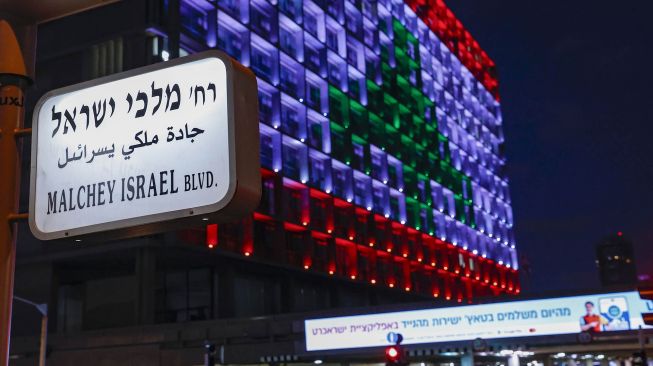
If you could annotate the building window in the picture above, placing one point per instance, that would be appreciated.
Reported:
(104, 58)
(187, 295)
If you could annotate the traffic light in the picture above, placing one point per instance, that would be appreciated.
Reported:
(646, 293)
(394, 355)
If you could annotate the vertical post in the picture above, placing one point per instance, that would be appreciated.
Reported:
(12, 80)
(209, 353)
(44, 339)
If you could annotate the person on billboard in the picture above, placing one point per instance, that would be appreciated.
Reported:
(591, 322)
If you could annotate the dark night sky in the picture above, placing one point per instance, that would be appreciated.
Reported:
(575, 83)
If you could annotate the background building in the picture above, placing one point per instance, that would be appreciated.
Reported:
(616, 261)
(381, 150)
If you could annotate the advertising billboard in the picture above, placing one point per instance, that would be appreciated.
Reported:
(175, 140)
(567, 315)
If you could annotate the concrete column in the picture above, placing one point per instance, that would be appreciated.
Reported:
(513, 360)
(467, 359)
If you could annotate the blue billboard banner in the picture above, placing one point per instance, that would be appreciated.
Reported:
(565, 315)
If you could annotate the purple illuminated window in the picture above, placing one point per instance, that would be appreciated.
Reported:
(342, 181)
(315, 55)
(270, 148)
(264, 19)
(314, 20)
(265, 60)
(356, 54)
(335, 37)
(395, 173)
(268, 103)
(369, 9)
(295, 160)
(320, 171)
(318, 132)
(317, 96)
(381, 198)
(372, 66)
(292, 8)
(379, 164)
(238, 9)
(337, 70)
(336, 8)
(362, 190)
(233, 38)
(354, 20)
(397, 206)
(291, 39)
(293, 118)
(291, 77)
(371, 36)
(357, 85)
(198, 19)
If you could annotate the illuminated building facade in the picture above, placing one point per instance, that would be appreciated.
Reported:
(381, 137)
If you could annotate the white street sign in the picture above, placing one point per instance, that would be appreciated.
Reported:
(133, 152)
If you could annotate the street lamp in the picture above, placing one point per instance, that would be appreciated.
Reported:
(43, 309)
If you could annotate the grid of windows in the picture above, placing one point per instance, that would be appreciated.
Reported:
(374, 136)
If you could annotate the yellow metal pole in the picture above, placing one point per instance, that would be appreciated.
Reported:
(12, 80)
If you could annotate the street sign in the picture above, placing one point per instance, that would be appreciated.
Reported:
(141, 151)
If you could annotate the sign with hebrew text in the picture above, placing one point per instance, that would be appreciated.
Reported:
(136, 150)
(595, 313)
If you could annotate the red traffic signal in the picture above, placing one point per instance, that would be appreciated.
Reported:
(394, 356)
(392, 353)
(646, 293)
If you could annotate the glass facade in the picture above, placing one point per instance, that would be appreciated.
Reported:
(381, 142)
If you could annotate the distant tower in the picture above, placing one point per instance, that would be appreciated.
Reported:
(616, 262)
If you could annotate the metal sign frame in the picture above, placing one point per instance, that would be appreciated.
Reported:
(244, 189)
